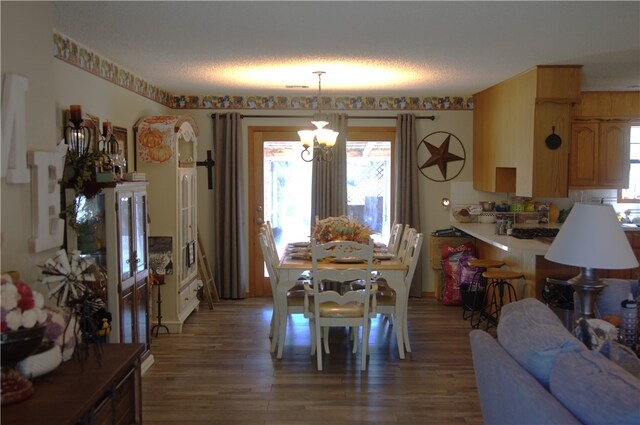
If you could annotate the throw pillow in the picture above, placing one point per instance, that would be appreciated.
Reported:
(534, 336)
(595, 390)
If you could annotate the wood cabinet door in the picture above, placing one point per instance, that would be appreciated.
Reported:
(583, 155)
(613, 155)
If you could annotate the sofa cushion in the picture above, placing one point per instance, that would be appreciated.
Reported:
(595, 390)
(534, 336)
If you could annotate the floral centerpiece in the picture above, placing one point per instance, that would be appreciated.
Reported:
(340, 229)
(22, 308)
(22, 329)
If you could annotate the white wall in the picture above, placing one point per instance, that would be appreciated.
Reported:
(27, 51)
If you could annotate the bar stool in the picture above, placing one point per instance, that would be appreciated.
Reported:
(500, 291)
(473, 297)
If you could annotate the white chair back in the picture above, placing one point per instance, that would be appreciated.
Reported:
(332, 308)
(273, 249)
(412, 257)
(394, 238)
(404, 241)
(268, 255)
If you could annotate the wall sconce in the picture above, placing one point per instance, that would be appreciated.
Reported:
(445, 203)
(78, 136)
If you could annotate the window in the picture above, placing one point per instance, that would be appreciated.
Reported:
(632, 193)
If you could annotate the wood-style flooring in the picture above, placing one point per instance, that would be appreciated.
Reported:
(220, 371)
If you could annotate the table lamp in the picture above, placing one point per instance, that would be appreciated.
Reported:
(591, 238)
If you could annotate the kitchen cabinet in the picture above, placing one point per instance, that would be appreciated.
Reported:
(166, 149)
(511, 122)
(611, 104)
(599, 155)
(118, 244)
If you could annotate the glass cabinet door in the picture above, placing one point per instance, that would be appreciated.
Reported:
(140, 218)
(125, 212)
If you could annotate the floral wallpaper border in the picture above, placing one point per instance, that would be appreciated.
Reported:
(68, 50)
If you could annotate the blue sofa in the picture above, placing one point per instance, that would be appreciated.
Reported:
(537, 372)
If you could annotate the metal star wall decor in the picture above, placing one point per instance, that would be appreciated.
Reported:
(441, 148)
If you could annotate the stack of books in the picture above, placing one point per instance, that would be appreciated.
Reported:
(135, 177)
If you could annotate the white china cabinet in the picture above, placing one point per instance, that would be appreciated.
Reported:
(166, 153)
(111, 229)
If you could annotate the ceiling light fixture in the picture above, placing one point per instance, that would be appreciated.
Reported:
(317, 144)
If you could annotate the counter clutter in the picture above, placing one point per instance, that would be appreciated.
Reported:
(487, 233)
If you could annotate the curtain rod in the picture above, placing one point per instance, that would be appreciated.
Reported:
(428, 117)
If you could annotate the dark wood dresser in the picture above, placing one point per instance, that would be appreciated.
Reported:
(106, 394)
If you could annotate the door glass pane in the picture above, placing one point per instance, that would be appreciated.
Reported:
(124, 232)
(140, 217)
(287, 192)
(369, 185)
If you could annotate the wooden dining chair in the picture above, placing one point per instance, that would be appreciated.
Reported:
(394, 238)
(386, 298)
(295, 295)
(327, 308)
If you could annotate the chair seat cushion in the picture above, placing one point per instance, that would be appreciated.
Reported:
(331, 309)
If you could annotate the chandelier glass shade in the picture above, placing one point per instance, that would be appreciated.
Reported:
(317, 144)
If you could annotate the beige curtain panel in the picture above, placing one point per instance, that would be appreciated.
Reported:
(228, 194)
(407, 208)
(329, 178)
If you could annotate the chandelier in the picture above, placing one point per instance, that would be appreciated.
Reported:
(317, 144)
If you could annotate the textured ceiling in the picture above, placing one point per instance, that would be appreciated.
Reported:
(367, 48)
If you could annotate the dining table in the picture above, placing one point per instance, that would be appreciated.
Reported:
(293, 265)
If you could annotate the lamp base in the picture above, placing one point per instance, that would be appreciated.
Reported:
(588, 286)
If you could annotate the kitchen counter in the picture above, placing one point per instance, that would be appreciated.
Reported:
(487, 233)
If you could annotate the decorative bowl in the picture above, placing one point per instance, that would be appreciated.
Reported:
(20, 344)
(463, 215)
(15, 346)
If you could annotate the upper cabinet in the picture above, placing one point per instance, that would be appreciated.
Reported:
(521, 132)
(600, 132)
(599, 155)
(166, 149)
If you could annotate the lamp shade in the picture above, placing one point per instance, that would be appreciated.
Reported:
(307, 137)
(592, 237)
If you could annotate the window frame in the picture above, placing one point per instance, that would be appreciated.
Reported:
(619, 197)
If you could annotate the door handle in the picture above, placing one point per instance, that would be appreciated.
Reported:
(259, 221)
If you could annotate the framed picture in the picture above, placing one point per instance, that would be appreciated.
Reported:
(191, 253)
(120, 133)
(160, 255)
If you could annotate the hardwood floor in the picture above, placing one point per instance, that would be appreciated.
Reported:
(220, 371)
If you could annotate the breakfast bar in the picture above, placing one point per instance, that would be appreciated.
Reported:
(523, 255)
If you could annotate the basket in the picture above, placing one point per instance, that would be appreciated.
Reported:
(460, 217)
